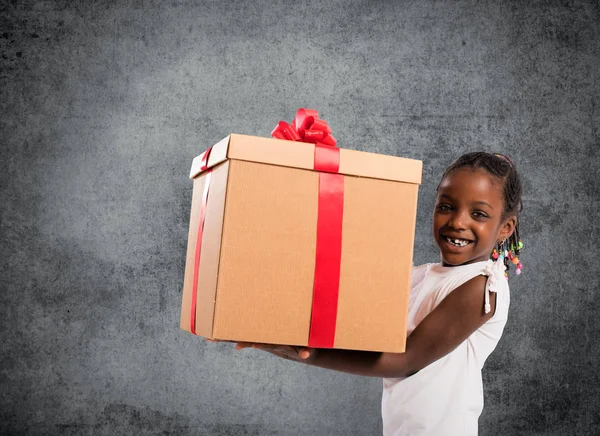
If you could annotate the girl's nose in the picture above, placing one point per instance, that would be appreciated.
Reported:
(457, 221)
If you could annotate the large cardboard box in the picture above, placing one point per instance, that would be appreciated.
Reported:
(254, 270)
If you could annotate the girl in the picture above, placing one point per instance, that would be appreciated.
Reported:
(458, 307)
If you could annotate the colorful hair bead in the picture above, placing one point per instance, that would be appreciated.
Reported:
(507, 252)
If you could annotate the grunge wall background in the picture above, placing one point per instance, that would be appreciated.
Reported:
(103, 106)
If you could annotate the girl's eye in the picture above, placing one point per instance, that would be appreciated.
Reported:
(479, 214)
(444, 207)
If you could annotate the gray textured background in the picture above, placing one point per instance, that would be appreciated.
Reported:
(104, 105)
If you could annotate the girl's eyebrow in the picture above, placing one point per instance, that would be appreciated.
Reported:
(484, 203)
(475, 202)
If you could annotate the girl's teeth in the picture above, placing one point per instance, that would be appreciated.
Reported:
(457, 242)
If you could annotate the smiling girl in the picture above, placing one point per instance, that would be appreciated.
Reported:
(458, 307)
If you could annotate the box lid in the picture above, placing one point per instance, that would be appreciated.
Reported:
(301, 155)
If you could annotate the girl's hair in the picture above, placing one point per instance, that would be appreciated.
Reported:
(503, 169)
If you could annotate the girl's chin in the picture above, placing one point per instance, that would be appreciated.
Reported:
(453, 255)
(452, 262)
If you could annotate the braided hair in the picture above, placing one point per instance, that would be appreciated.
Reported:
(502, 168)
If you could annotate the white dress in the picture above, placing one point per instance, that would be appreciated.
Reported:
(445, 397)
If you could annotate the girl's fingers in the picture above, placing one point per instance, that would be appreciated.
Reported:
(296, 353)
(242, 345)
(280, 350)
(293, 352)
(304, 353)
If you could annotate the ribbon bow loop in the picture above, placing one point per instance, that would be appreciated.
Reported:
(306, 127)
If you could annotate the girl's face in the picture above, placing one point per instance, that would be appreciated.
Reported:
(467, 218)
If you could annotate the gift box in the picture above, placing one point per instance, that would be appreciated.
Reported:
(301, 244)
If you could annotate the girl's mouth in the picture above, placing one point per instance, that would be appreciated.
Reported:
(457, 242)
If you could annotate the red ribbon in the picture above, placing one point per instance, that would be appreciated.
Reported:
(203, 167)
(307, 127)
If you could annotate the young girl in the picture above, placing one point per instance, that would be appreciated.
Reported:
(458, 307)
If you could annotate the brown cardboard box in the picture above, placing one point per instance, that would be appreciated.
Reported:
(257, 260)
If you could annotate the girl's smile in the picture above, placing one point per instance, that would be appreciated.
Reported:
(468, 216)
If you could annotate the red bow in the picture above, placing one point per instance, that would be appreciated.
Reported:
(306, 127)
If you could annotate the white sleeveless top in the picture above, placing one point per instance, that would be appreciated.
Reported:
(445, 397)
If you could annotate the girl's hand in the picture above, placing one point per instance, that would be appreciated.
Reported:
(300, 354)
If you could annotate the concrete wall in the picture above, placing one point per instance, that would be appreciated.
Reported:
(103, 106)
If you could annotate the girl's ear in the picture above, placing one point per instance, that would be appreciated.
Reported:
(507, 228)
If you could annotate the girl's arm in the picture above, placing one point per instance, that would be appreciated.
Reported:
(445, 328)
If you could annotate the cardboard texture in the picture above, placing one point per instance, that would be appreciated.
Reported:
(257, 262)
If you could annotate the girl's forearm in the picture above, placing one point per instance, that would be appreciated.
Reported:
(365, 363)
